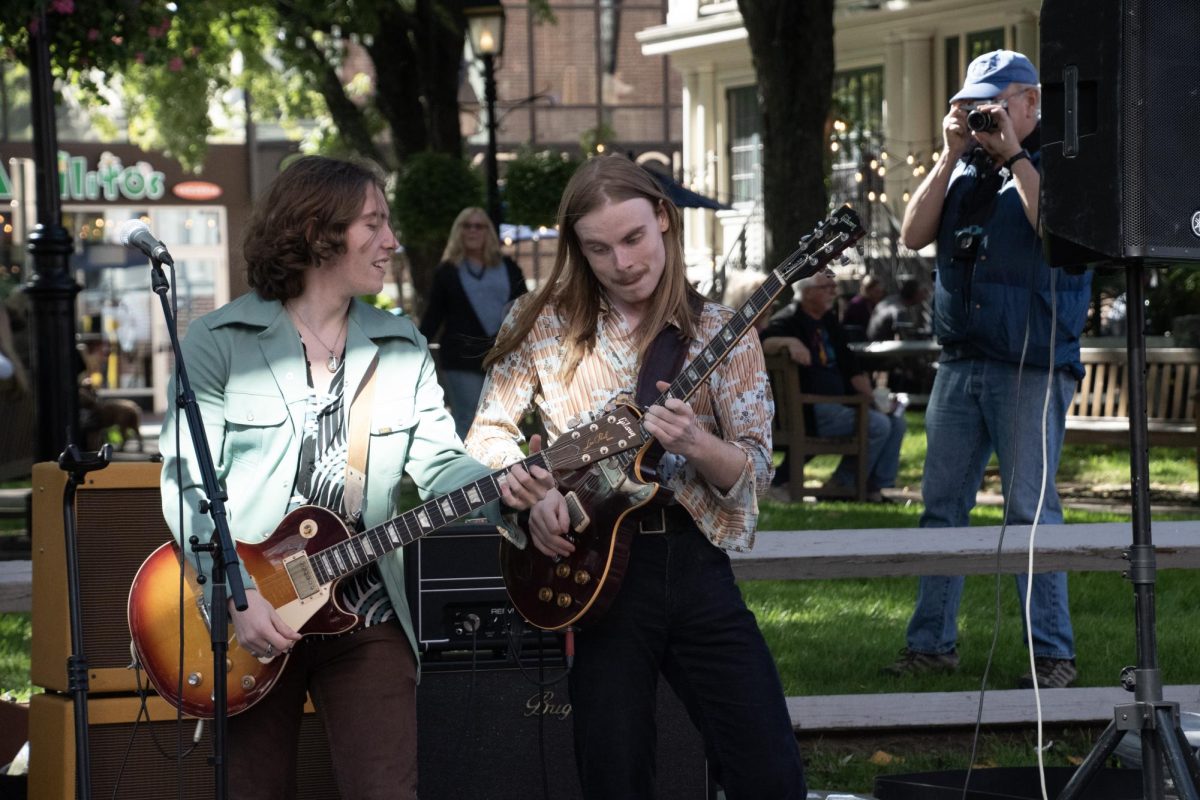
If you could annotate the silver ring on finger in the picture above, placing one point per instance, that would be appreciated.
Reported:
(270, 650)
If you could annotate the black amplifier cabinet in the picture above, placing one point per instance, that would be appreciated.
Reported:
(460, 608)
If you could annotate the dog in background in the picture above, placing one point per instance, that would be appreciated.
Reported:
(98, 415)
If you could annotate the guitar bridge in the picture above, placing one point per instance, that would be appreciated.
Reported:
(578, 517)
(300, 571)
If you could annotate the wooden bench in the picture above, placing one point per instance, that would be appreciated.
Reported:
(1099, 412)
(789, 430)
(831, 554)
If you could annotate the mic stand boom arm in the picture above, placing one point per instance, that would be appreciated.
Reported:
(220, 546)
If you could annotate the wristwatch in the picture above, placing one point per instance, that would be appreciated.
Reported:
(1008, 165)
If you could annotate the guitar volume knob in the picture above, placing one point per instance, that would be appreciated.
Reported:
(195, 679)
(248, 681)
(545, 595)
(582, 577)
(564, 600)
(562, 570)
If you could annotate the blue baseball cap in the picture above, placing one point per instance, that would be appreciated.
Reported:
(991, 73)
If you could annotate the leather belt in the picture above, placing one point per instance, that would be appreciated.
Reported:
(665, 519)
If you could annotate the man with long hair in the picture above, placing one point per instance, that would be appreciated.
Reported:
(578, 345)
(276, 374)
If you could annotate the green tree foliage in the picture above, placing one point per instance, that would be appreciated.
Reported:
(533, 185)
(172, 62)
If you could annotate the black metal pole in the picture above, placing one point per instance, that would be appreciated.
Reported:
(51, 290)
(493, 172)
(225, 564)
(77, 465)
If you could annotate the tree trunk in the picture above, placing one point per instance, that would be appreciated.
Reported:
(398, 85)
(792, 46)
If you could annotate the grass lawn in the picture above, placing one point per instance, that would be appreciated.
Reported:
(831, 637)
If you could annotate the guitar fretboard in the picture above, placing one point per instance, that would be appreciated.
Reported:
(804, 261)
(361, 549)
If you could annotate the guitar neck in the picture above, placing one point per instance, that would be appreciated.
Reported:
(799, 264)
(361, 549)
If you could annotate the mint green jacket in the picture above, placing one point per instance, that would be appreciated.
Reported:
(246, 366)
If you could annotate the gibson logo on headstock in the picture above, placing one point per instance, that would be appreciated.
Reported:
(543, 705)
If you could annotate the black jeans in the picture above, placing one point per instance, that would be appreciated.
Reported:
(680, 613)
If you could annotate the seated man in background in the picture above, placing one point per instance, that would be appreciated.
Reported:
(809, 332)
(898, 312)
(857, 315)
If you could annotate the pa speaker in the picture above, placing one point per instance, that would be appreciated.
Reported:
(492, 734)
(119, 521)
(1120, 82)
(135, 760)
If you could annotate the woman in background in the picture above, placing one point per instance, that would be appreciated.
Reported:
(472, 290)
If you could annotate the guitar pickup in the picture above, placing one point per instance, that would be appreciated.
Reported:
(304, 580)
(578, 517)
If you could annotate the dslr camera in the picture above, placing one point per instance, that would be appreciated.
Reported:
(980, 120)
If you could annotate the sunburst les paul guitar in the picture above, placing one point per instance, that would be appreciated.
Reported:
(605, 500)
(297, 569)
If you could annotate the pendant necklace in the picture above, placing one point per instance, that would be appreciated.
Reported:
(333, 362)
(476, 275)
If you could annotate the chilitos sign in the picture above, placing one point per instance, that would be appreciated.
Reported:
(109, 181)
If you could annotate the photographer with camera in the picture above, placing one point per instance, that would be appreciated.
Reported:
(998, 309)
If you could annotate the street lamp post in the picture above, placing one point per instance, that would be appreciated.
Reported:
(485, 26)
(52, 290)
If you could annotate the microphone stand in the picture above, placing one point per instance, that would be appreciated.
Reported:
(1162, 737)
(77, 465)
(224, 554)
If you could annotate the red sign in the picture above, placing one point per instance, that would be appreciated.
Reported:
(196, 190)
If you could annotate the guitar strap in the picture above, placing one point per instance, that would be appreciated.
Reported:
(664, 358)
(357, 441)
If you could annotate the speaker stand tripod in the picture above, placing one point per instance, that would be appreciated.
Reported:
(1156, 720)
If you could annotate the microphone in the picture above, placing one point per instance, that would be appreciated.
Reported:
(135, 233)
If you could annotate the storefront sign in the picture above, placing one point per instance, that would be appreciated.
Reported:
(110, 180)
(196, 190)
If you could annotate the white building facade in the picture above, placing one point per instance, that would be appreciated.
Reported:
(898, 61)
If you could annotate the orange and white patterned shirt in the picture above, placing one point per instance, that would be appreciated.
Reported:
(734, 403)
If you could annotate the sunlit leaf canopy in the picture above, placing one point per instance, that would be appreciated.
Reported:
(172, 63)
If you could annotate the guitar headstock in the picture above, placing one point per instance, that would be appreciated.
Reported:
(615, 431)
(833, 235)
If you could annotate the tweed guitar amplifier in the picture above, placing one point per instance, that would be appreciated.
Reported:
(135, 760)
(119, 522)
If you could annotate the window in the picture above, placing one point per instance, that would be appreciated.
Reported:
(745, 145)
(857, 111)
(961, 50)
